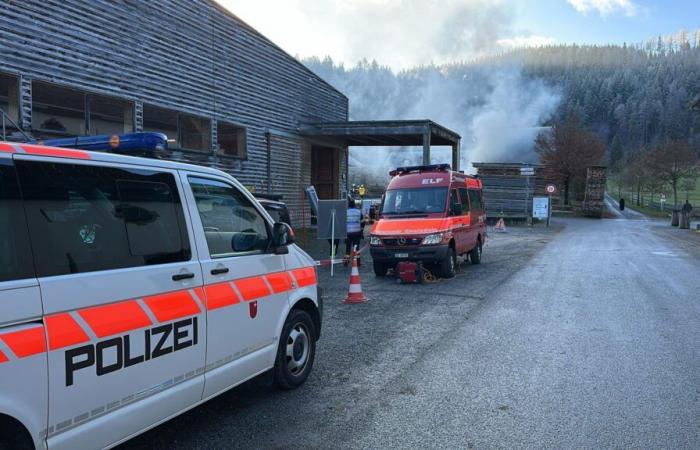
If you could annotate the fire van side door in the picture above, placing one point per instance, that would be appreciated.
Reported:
(246, 284)
(23, 382)
(121, 292)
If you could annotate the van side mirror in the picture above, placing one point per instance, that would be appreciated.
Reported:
(282, 237)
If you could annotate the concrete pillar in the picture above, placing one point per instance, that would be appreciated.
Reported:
(456, 155)
(426, 146)
(214, 135)
(25, 103)
(138, 116)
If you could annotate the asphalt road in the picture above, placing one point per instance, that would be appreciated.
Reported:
(588, 337)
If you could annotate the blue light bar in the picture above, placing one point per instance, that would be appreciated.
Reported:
(147, 144)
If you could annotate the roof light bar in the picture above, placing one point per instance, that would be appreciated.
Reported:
(428, 168)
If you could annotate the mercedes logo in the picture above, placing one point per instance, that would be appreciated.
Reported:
(402, 241)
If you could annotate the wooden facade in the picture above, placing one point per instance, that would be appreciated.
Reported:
(187, 56)
(507, 193)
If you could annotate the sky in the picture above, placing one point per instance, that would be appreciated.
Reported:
(405, 33)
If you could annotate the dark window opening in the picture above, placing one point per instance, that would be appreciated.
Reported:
(464, 198)
(110, 115)
(9, 98)
(57, 111)
(161, 120)
(60, 112)
(15, 254)
(195, 132)
(475, 198)
(86, 218)
(184, 131)
(232, 139)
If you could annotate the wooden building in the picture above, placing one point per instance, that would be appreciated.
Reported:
(507, 193)
(225, 95)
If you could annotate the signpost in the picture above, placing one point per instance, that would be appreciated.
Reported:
(540, 208)
(332, 223)
(527, 172)
(662, 201)
(551, 189)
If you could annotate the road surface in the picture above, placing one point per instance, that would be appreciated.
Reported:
(585, 338)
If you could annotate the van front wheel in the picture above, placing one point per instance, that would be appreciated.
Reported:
(448, 266)
(296, 351)
(475, 254)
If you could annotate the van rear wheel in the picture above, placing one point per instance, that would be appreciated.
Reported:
(475, 254)
(448, 266)
(296, 351)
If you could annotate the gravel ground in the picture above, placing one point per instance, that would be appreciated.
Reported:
(586, 335)
(363, 357)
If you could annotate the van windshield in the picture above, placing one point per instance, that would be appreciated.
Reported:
(415, 201)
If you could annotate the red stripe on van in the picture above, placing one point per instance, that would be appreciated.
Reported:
(172, 305)
(27, 342)
(116, 318)
(7, 148)
(220, 295)
(252, 288)
(305, 276)
(53, 151)
(280, 282)
(3, 357)
(64, 331)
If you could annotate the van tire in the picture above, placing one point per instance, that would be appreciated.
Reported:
(448, 266)
(380, 268)
(475, 254)
(297, 347)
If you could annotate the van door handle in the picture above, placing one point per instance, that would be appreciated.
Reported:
(219, 270)
(182, 276)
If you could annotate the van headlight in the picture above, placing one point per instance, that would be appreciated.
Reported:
(374, 240)
(433, 239)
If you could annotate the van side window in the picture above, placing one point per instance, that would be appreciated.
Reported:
(475, 198)
(464, 197)
(455, 205)
(85, 218)
(15, 254)
(231, 223)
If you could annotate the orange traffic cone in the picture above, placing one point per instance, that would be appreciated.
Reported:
(355, 294)
(500, 225)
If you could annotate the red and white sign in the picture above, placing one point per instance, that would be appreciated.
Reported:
(551, 189)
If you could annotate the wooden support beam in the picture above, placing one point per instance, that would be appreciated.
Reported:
(426, 146)
(456, 155)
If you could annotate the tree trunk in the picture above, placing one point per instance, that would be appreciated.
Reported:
(566, 192)
(639, 194)
(674, 183)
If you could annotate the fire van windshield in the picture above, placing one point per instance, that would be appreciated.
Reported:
(415, 201)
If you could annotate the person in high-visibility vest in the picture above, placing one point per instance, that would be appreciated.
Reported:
(354, 226)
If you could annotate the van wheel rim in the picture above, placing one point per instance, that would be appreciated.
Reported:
(297, 349)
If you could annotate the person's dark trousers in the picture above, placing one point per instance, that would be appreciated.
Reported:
(352, 240)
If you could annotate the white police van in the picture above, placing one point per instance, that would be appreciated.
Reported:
(133, 289)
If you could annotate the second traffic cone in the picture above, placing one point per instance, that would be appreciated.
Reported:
(500, 225)
(355, 294)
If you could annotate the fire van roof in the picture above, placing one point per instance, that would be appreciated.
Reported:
(436, 175)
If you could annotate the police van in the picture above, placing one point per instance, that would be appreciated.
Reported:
(133, 289)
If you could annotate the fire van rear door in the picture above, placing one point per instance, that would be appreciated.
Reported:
(23, 364)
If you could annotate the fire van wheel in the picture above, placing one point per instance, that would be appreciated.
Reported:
(296, 351)
(380, 269)
(475, 254)
(448, 266)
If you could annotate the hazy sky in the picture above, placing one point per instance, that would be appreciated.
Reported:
(402, 33)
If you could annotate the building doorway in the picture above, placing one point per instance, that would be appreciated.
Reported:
(325, 172)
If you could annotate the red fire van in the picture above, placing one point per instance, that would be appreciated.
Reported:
(430, 214)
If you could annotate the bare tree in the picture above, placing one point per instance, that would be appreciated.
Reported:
(567, 152)
(672, 163)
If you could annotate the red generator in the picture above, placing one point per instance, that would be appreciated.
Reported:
(410, 271)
